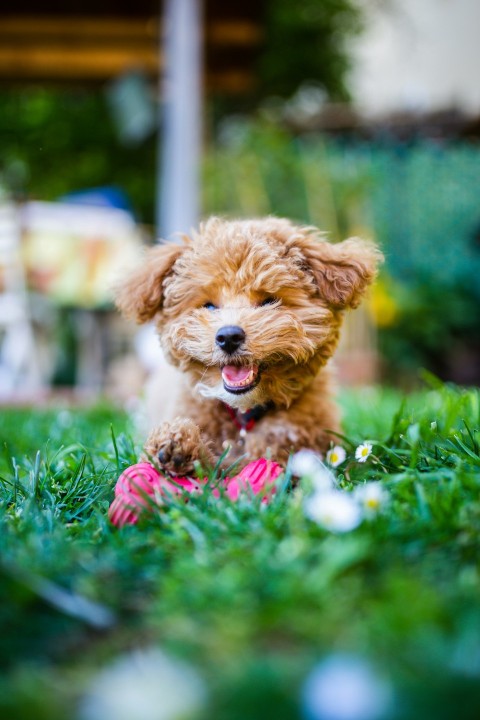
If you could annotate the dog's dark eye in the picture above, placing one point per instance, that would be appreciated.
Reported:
(210, 306)
(269, 301)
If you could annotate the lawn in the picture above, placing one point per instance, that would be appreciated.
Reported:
(243, 610)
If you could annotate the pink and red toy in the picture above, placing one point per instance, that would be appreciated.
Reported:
(141, 486)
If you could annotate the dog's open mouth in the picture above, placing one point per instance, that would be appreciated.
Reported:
(240, 379)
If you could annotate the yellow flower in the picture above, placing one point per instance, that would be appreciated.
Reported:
(382, 305)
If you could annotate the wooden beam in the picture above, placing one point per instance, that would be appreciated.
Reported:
(229, 81)
(18, 27)
(61, 62)
(87, 29)
(228, 32)
(98, 49)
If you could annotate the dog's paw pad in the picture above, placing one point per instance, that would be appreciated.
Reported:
(176, 446)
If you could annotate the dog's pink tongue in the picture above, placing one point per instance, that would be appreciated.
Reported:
(233, 374)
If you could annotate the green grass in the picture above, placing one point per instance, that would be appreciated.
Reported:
(252, 597)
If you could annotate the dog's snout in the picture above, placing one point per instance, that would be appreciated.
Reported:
(229, 338)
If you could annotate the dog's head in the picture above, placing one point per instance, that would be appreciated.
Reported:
(251, 309)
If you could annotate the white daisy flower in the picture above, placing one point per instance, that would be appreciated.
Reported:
(346, 687)
(363, 451)
(333, 510)
(144, 685)
(304, 462)
(336, 456)
(372, 497)
(307, 464)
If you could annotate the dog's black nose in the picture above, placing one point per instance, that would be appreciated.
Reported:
(229, 338)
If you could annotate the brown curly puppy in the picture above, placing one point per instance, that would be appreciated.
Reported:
(249, 312)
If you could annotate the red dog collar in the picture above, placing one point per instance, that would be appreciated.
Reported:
(246, 420)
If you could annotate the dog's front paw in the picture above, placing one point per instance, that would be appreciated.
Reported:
(176, 446)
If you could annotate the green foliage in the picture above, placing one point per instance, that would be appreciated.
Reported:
(437, 327)
(59, 141)
(253, 597)
(304, 41)
(258, 167)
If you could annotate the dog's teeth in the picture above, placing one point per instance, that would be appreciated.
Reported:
(244, 382)
(247, 380)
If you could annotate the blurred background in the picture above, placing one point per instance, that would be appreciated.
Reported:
(123, 122)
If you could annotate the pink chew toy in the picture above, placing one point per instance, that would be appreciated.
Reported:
(142, 486)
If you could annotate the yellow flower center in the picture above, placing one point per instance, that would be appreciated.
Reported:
(364, 451)
(372, 503)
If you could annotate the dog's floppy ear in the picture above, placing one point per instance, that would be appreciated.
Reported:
(140, 296)
(342, 271)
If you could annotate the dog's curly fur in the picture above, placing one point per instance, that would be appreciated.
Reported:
(287, 288)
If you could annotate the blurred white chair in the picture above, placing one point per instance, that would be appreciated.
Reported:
(19, 367)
